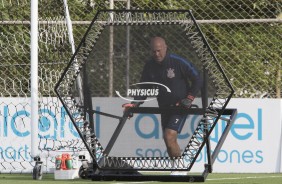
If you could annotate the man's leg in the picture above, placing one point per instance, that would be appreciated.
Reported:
(170, 138)
(173, 149)
(172, 125)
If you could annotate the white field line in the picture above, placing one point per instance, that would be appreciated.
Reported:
(240, 178)
(135, 182)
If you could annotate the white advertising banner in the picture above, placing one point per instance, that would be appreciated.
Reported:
(254, 142)
(15, 132)
(252, 145)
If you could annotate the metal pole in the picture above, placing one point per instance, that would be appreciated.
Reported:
(205, 105)
(111, 52)
(34, 77)
(127, 48)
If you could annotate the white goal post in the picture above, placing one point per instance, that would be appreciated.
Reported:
(34, 77)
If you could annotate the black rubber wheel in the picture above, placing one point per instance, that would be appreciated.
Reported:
(83, 172)
(37, 172)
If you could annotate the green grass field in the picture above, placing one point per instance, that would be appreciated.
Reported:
(212, 178)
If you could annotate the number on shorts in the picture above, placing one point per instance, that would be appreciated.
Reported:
(176, 121)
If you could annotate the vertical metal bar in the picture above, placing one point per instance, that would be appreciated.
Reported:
(278, 81)
(34, 77)
(88, 106)
(111, 51)
(127, 47)
(205, 105)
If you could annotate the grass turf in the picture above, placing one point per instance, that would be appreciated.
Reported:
(214, 178)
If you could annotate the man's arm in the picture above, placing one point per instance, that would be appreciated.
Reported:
(194, 76)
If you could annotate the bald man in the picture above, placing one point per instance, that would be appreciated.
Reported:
(158, 49)
(184, 82)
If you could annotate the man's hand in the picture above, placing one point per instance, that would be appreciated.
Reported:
(128, 106)
(186, 102)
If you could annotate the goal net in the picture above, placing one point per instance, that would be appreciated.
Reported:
(56, 132)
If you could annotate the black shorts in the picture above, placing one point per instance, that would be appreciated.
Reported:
(173, 121)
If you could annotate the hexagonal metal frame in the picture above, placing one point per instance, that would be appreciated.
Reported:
(211, 112)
